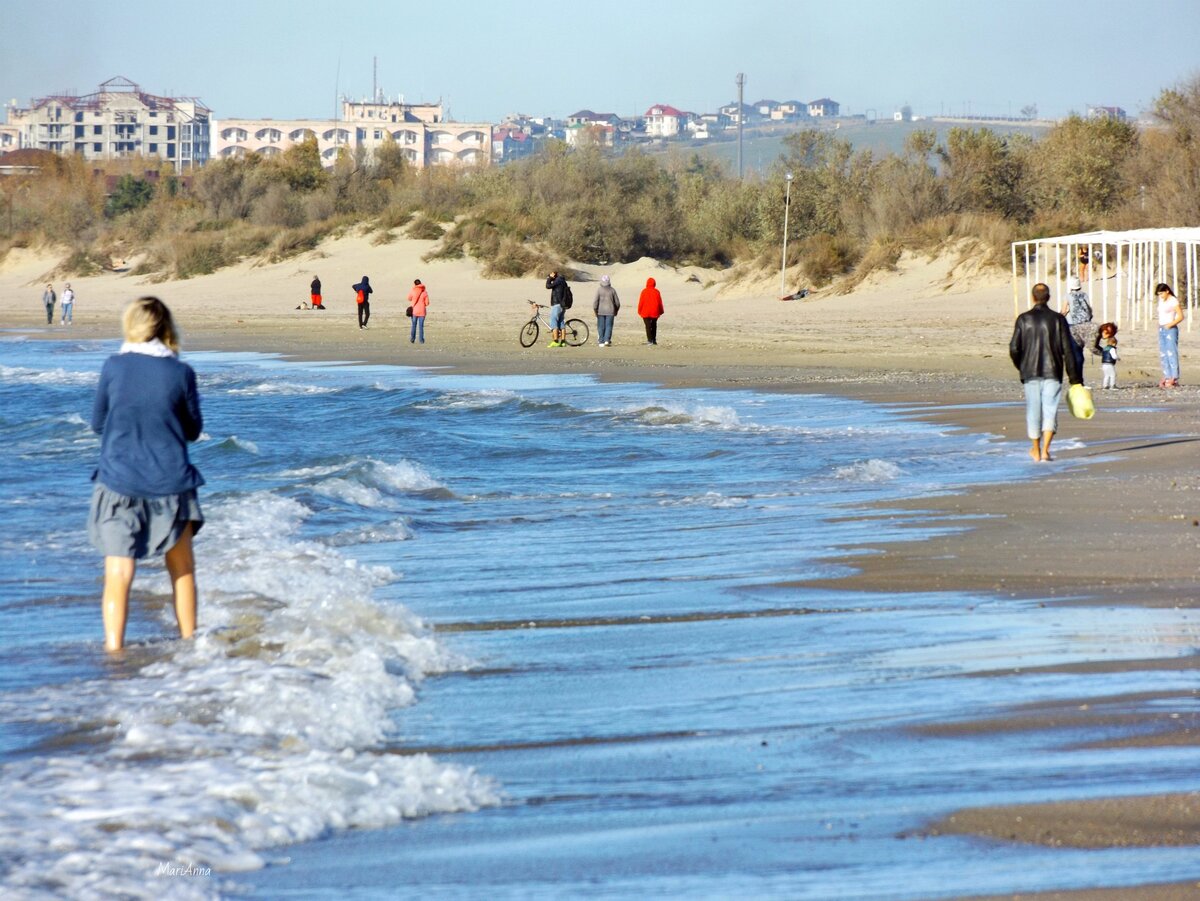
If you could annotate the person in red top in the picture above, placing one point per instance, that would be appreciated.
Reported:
(418, 299)
(650, 307)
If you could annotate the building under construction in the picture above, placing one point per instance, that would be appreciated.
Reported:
(118, 121)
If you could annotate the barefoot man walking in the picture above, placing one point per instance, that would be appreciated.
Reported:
(1040, 348)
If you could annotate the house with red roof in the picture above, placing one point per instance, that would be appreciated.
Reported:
(663, 121)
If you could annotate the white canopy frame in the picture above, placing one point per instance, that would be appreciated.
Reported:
(1125, 266)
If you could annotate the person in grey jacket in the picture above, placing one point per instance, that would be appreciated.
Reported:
(606, 306)
(49, 298)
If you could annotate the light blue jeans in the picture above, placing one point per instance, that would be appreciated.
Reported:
(418, 328)
(1041, 406)
(68, 312)
(604, 326)
(1168, 351)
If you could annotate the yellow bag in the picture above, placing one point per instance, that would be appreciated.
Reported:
(1079, 401)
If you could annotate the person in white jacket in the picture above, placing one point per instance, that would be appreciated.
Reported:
(68, 305)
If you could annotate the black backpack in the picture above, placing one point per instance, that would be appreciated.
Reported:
(568, 298)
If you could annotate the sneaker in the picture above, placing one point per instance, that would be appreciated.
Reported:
(554, 344)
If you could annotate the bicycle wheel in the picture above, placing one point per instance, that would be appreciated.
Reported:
(575, 332)
(529, 334)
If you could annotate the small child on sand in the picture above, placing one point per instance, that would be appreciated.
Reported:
(1106, 344)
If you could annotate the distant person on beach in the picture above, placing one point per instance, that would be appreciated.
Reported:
(362, 296)
(1106, 346)
(1041, 347)
(1078, 311)
(1170, 314)
(314, 292)
(418, 299)
(68, 305)
(49, 299)
(606, 306)
(144, 503)
(557, 286)
(650, 308)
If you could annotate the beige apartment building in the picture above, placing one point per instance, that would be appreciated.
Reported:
(118, 121)
(420, 129)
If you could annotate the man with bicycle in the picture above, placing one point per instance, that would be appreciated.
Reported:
(557, 286)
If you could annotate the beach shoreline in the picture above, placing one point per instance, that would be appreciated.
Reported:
(1001, 549)
(1115, 520)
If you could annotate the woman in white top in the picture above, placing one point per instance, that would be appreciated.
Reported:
(1170, 314)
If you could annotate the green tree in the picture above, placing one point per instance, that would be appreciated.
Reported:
(1079, 166)
(130, 194)
(983, 172)
(301, 166)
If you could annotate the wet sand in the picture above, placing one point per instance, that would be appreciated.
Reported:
(1115, 519)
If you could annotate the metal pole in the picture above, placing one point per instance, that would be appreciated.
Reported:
(1120, 282)
(1027, 288)
(787, 201)
(1058, 284)
(741, 115)
(1016, 311)
(1104, 278)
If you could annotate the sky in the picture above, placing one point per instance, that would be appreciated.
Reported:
(292, 59)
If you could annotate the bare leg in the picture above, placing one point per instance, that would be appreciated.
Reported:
(181, 565)
(114, 605)
(1036, 450)
(1047, 437)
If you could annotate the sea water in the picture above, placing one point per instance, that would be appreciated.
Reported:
(556, 627)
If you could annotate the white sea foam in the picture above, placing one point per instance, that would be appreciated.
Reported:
(670, 413)
(241, 444)
(366, 483)
(22, 375)
(282, 389)
(261, 732)
(483, 399)
(869, 471)
(709, 499)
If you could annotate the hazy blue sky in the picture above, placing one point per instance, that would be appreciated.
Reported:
(246, 58)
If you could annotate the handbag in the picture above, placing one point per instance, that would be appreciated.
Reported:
(408, 312)
(1079, 402)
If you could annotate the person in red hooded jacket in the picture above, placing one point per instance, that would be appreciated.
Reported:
(650, 307)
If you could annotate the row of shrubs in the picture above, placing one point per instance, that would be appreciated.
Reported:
(851, 211)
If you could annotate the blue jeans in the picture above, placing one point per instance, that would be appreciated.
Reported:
(1168, 351)
(1041, 406)
(68, 310)
(418, 326)
(557, 315)
(604, 325)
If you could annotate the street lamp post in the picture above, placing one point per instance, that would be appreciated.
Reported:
(787, 200)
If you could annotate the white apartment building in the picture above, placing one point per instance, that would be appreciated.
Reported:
(118, 121)
(420, 130)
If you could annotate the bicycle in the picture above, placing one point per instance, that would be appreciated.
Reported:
(575, 331)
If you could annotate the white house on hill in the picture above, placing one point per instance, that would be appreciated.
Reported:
(664, 121)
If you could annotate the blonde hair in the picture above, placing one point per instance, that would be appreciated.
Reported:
(148, 318)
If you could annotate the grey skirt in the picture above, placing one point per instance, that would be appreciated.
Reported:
(121, 526)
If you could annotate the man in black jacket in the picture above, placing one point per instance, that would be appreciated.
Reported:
(1041, 347)
(557, 286)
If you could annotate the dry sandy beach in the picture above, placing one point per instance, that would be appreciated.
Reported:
(930, 339)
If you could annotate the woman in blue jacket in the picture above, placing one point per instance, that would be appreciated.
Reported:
(147, 410)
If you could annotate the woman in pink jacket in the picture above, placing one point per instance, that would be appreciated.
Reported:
(418, 299)
(650, 307)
